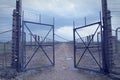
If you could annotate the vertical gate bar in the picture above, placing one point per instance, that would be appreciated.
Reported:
(98, 42)
(23, 46)
(116, 32)
(40, 18)
(4, 55)
(22, 50)
(116, 45)
(30, 40)
(53, 41)
(74, 44)
(85, 21)
(101, 34)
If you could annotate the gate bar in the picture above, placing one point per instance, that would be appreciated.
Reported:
(116, 33)
(88, 25)
(74, 37)
(53, 41)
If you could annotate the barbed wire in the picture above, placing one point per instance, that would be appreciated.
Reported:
(62, 38)
(5, 31)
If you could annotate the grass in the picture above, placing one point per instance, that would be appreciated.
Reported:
(5, 48)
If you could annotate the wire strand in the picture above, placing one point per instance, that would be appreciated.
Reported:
(5, 31)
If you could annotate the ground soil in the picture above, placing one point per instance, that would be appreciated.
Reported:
(63, 69)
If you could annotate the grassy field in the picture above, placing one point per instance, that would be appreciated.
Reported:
(5, 48)
(64, 63)
(5, 54)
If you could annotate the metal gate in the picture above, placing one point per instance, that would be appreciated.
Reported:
(87, 47)
(37, 45)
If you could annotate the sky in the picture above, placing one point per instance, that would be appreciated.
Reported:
(64, 12)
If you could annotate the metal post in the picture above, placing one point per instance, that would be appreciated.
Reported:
(16, 63)
(116, 32)
(40, 18)
(23, 46)
(85, 21)
(30, 39)
(98, 42)
(18, 33)
(107, 33)
(104, 11)
(100, 45)
(35, 40)
(38, 38)
(74, 44)
(53, 41)
(4, 56)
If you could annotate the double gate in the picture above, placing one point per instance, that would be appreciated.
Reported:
(37, 46)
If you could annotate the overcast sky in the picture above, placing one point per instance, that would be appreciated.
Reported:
(64, 11)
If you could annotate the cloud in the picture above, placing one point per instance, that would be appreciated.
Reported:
(65, 11)
(5, 27)
(6, 7)
(115, 22)
(7, 12)
(66, 8)
(66, 32)
(113, 5)
(29, 16)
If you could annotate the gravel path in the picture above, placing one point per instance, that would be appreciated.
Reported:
(63, 69)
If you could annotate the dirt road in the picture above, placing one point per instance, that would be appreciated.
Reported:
(63, 69)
